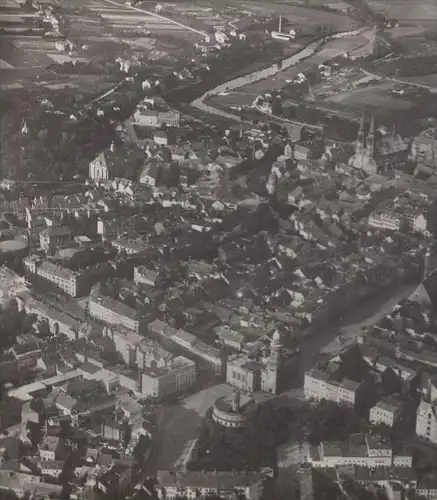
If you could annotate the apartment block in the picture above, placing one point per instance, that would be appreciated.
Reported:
(71, 282)
(360, 450)
(113, 312)
(426, 421)
(58, 322)
(318, 385)
(191, 485)
(210, 355)
(175, 378)
(386, 411)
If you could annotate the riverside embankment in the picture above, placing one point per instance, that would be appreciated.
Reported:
(268, 72)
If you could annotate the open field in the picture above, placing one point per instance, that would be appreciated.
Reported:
(430, 80)
(209, 13)
(355, 90)
(405, 31)
(121, 17)
(375, 97)
(301, 16)
(206, 15)
(245, 95)
(406, 10)
(26, 51)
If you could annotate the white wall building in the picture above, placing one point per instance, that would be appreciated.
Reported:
(385, 412)
(426, 421)
(176, 377)
(318, 386)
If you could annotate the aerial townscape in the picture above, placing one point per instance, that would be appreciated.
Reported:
(218, 249)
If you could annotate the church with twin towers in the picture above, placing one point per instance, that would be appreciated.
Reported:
(377, 149)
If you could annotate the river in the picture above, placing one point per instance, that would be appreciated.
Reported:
(268, 72)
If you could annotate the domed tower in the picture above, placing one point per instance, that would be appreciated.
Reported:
(274, 364)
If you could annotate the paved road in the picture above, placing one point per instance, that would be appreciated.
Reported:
(179, 426)
(352, 331)
(368, 313)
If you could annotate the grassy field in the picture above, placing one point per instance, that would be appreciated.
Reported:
(208, 13)
(423, 79)
(377, 97)
(301, 16)
(406, 10)
(247, 94)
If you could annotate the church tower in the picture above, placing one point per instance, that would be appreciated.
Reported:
(371, 140)
(274, 364)
(359, 145)
(427, 262)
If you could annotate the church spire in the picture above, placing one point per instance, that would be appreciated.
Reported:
(359, 146)
(372, 126)
(371, 139)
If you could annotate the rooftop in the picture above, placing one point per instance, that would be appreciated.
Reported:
(55, 270)
(55, 231)
(213, 480)
(114, 305)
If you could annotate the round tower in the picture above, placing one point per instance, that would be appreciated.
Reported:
(236, 401)
(274, 362)
(275, 348)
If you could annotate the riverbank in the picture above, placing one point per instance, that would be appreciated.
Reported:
(269, 72)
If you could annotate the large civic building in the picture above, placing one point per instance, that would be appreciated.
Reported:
(234, 411)
(257, 373)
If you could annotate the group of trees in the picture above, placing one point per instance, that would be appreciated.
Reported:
(268, 427)
(221, 448)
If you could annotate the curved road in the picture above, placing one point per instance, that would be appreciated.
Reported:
(268, 72)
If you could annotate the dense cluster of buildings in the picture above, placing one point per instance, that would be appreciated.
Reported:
(390, 376)
(193, 255)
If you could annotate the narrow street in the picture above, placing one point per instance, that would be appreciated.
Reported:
(368, 313)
